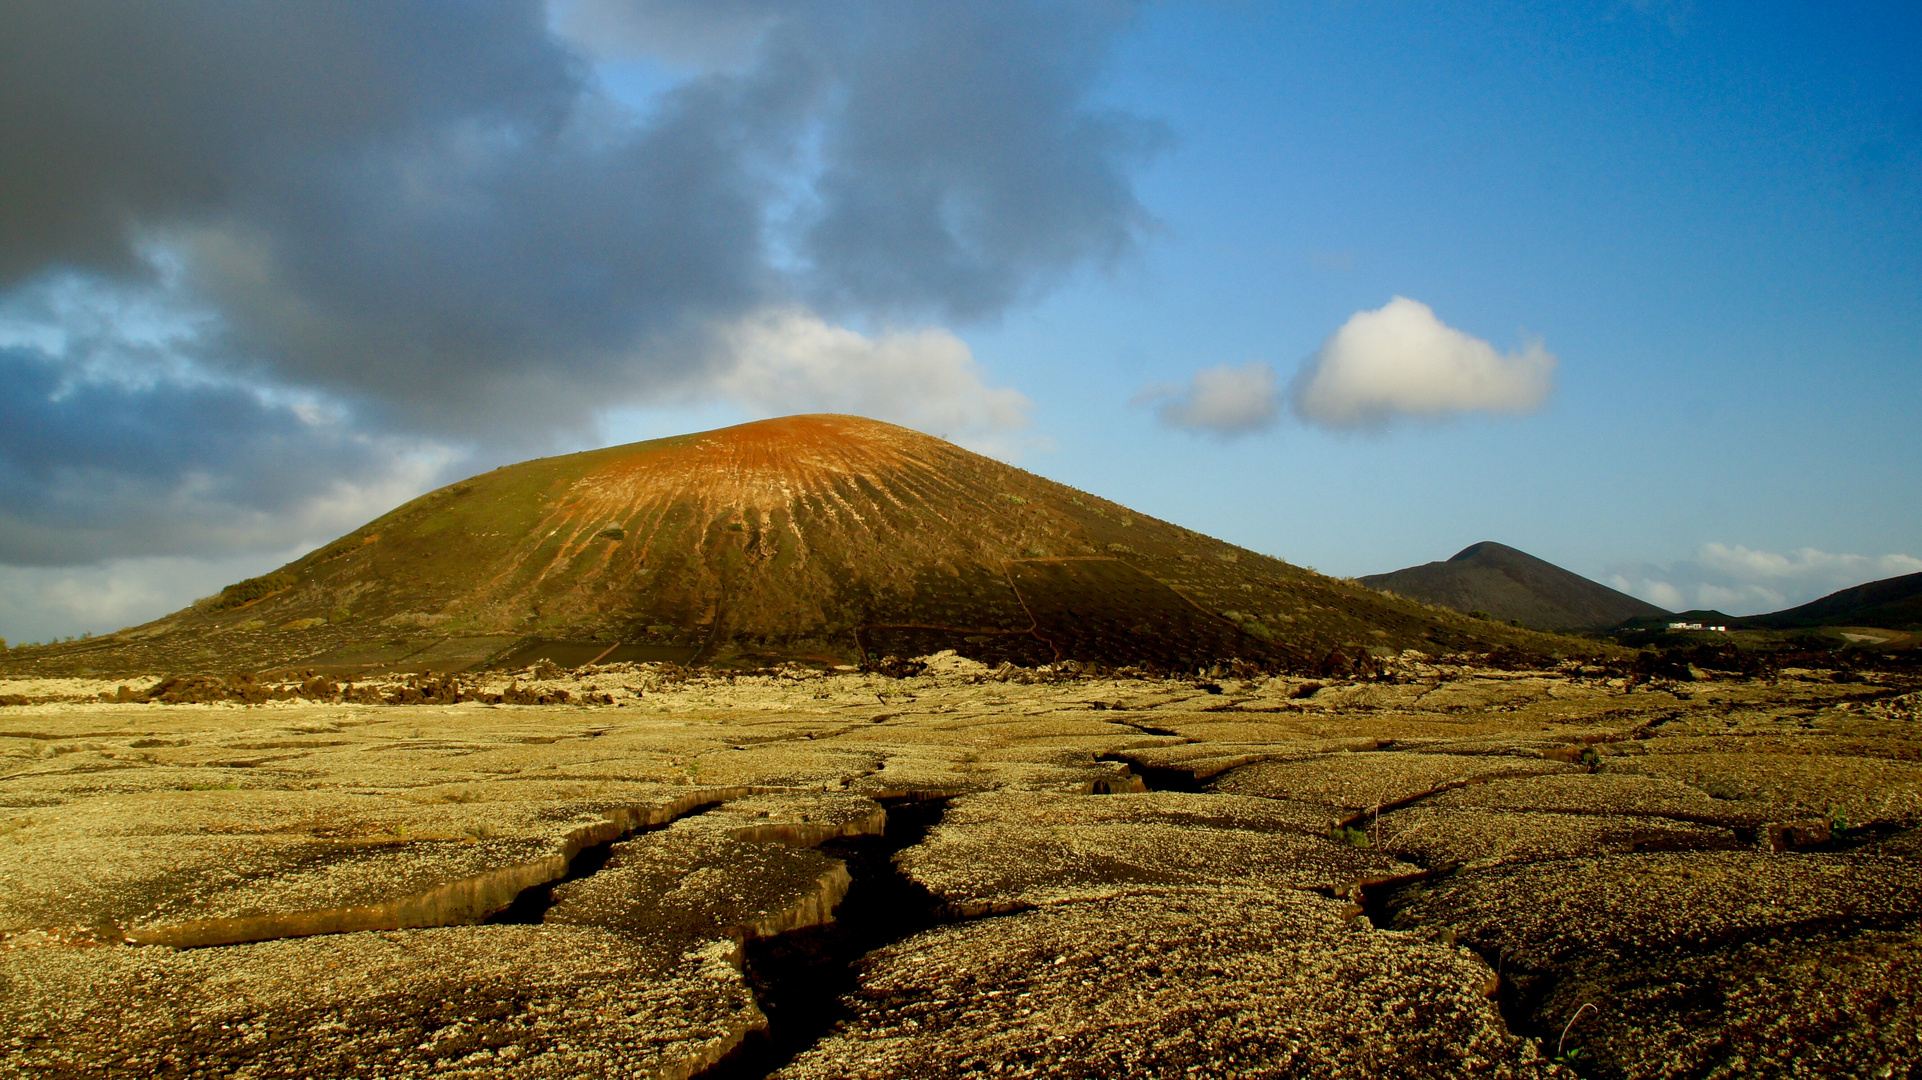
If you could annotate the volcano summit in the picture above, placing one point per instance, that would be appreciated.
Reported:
(832, 539)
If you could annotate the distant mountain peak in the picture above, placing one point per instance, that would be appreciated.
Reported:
(1508, 584)
(1487, 549)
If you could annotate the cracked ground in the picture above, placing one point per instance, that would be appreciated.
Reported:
(1447, 871)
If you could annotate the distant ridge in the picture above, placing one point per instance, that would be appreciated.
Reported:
(1507, 584)
(1891, 604)
(820, 539)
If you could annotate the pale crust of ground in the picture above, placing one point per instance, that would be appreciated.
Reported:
(1141, 878)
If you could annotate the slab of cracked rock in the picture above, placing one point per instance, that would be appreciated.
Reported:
(1628, 794)
(461, 1002)
(799, 818)
(1825, 1005)
(1859, 790)
(1485, 692)
(1171, 983)
(1854, 743)
(1445, 835)
(1704, 963)
(1544, 916)
(717, 761)
(1206, 760)
(1380, 778)
(635, 971)
(187, 869)
(750, 872)
(1002, 852)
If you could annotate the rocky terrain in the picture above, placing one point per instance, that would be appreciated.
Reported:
(1443, 868)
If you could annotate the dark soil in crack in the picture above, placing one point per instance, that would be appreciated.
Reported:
(530, 907)
(1147, 729)
(1517, 994)
(1158, 778)
(1860, 837)
(799, 977)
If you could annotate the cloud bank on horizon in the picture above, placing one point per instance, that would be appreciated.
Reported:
(1398, 362)
(265, 265)
(1739, 581)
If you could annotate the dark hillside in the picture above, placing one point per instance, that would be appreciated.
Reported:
(830, 539)
(1508, 584)
(1892, 603)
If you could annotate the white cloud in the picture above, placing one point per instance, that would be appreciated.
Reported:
(1223, 400)
(41, 603)
(1401, 361)
(1742, 581)
(1659, 593)
(787, 360)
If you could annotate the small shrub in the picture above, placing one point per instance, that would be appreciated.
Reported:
(1352, 837)
(1478, 614)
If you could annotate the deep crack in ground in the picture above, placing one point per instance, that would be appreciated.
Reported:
(799, 977)
(531, 906)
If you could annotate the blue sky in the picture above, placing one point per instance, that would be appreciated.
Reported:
(1709, 213)
(416, 249)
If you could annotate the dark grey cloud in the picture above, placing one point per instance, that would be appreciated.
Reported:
(122, 116)
(100, 470)
(533, 276)
(962, 170)
(433, 217)
(972, 210)
(427, 208)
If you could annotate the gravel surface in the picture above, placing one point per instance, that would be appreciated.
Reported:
(1727, 870)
